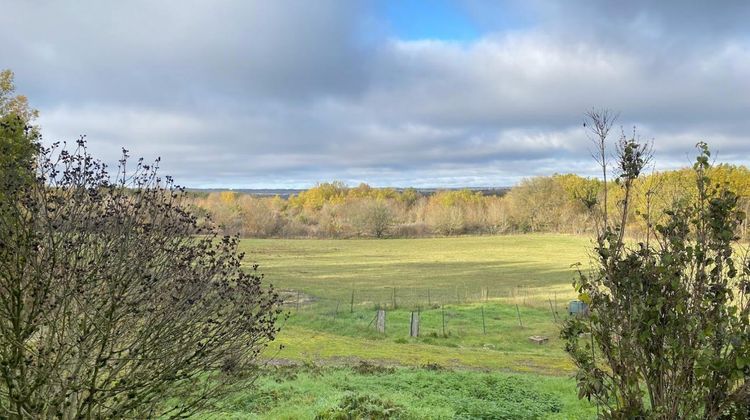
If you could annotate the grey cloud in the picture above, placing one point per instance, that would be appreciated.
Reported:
(184, 53)
(535, 80)
(664, 24)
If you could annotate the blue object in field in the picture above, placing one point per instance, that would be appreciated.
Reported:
(576, 307)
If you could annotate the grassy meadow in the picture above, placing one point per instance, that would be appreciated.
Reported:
(479, 299)
(330, 269)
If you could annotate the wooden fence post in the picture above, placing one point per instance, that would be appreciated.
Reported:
(351, 305)
(554, 314)
(484, 326)
(380, 321)
(555, 302)
(519, 316)
(442, 308)
(414, 326)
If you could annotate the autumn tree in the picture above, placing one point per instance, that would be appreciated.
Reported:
(12, 103)
(259, 216)
(538, 204)
(373, 217)
(18, 138)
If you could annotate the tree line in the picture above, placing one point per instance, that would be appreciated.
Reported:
(560, 203)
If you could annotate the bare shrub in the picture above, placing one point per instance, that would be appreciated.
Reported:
(113, 301)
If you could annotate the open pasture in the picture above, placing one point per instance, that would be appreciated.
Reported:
(470, 293)
(479, 300)
(528, 269)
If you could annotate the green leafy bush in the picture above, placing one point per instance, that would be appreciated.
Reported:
(668, 335)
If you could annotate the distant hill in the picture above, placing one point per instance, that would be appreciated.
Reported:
(286, 192)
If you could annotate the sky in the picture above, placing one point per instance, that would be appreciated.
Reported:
(288, 93)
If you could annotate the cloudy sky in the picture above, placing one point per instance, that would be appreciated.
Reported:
(285, 93)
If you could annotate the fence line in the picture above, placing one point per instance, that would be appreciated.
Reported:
(394, 297)
(438, 320)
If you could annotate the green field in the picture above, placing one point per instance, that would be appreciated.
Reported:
(331, 268)
(470, 293)
(366, 391)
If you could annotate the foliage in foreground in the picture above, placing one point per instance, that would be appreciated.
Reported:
(110, 305)
(668, 334)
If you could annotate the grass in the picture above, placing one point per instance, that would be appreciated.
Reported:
(313, 335)
(467, 275)
(366, 391)
(479, 284)
(503, 265)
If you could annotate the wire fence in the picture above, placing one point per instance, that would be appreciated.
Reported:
(413, 298)
(440, 312)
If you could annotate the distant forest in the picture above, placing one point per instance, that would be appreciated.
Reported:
(557, 203)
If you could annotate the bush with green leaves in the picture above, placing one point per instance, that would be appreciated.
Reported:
(668, 335)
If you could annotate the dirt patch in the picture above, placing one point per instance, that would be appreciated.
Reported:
(341, 361)
(290, 298)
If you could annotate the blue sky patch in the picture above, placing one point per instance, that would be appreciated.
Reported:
(437, 19)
